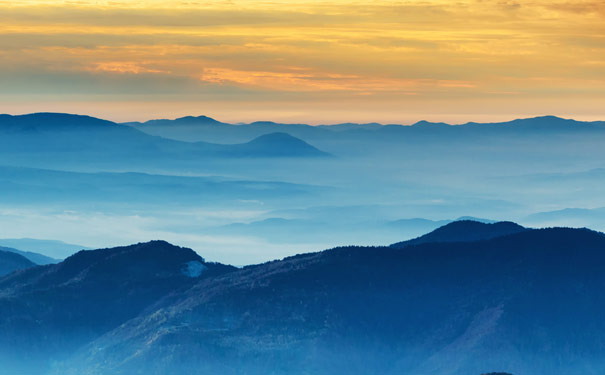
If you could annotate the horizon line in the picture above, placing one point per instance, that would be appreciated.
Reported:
(210, 118)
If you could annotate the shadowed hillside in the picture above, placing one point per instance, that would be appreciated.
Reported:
(11, 261)
(464, 231)
(60, 307)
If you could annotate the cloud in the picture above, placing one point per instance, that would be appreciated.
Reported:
(131, 67)
(579, 7)
(100, 229)
(241, 51)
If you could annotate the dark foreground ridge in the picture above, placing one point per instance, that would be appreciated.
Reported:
(525, 302)
(53, 309)
(465, 231)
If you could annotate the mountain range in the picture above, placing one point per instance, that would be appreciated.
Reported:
(468, 298)
(208, 129)
(56, 140)
(194, 138)
(40, 135)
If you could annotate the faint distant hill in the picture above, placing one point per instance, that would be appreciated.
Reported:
(48, 248)
(32, 256)
(186, 121)
(465, 231)
(41, 186)
(577, 217)
(277, 145)
(329, 227)
(540, 124)
(418, 223)
(10, 261)
(545, 123)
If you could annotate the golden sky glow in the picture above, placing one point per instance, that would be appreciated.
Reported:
(311, 61)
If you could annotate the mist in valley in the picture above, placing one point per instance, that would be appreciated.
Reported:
(367, 185)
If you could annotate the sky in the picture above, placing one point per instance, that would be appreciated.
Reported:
(304, 60)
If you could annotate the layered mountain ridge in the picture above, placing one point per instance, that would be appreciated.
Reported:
(95, 139)
(36, 258)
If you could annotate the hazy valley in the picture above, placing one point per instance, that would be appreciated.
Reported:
(254, 192)
(426, 272)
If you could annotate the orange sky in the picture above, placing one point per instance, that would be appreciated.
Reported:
(304, 61)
